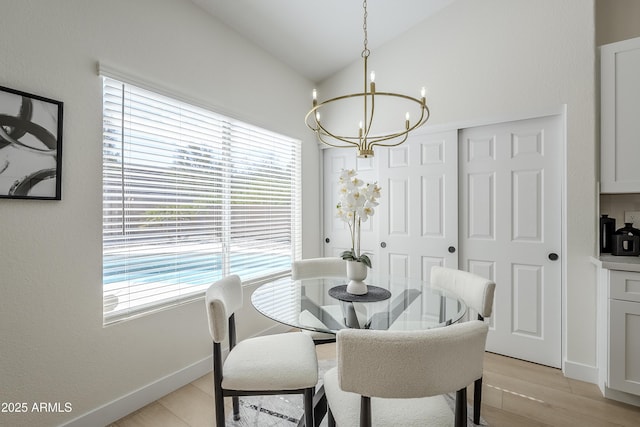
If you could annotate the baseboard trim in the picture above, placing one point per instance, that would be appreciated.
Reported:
(579, 371)
(113, 411)
(131, 402)
(622, 396)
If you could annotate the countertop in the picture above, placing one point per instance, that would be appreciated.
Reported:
(613, 262)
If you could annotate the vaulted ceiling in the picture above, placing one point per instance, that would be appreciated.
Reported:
(319, 37)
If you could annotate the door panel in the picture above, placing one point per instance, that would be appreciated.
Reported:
(418, 217)
(481, 205)
(398, 264)
(398, 198)
(510, 207)
(526, 300)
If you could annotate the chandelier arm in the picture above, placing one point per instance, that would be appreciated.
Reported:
(319, 128)
(375, 143)
(322, 131)
(306, 120)
(352, 144)
(353, 95)
(423, 119)
(314, 113)
(399, 95)
(378, 141)
(373, 107)
(420, 122)
(347, 139)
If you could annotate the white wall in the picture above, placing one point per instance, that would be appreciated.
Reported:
(53, 347)
(617, 20)
(494, 60)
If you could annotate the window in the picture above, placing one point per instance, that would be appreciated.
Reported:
(190, 196)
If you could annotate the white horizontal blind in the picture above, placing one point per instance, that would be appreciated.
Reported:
(190, 196)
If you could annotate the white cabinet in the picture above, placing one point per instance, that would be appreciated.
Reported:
(619, 332)
(620, 108)
(624, 331)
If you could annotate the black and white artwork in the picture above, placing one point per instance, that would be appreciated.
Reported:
(30, 146)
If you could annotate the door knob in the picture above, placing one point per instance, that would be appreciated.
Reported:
(452, 249)
(553, 256)
(327, 240)
(383, 244)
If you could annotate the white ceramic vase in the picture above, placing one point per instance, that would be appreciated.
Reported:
(356, 273)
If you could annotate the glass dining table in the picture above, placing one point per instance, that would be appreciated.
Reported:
(322, 305)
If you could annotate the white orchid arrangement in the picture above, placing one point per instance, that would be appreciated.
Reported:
(357, 202)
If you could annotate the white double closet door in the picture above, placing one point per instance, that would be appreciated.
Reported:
(486, 200)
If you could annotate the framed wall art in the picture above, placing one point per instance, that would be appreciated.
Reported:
(30, 146)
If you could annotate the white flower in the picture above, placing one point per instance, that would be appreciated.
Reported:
(356, 203)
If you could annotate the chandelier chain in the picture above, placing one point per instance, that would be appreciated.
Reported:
(365, 51)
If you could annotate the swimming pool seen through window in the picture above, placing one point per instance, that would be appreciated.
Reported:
(190, 196)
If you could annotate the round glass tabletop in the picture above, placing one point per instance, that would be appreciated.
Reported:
(309, 304)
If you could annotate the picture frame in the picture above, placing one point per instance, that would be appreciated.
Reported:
(30, 146)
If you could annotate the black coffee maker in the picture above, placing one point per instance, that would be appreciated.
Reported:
(626, 241)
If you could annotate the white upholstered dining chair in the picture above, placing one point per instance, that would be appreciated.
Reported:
(266, 365)
(398, 378)
(312, 268)
(477, 293)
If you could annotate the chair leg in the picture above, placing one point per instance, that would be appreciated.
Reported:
(218, 395)
(308, 407)
(331, 422)
(477, 400)
(461, 408)
(365, 411)
(236, 407)
(219, 403)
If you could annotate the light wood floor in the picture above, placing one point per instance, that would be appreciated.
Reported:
(515, 394)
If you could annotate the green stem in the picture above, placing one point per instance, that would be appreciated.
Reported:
(357, 238)
(352, 234)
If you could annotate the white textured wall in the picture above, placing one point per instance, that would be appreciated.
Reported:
(496, 59)
(53, 347)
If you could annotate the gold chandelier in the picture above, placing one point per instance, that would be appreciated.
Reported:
(364, 140)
